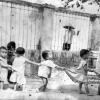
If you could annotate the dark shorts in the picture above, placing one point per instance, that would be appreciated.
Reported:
(66, 46)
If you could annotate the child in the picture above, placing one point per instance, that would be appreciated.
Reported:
(11, 46)
(83, 69)
(19, 66)
(3, 64)
(45, 69)
(69, 33)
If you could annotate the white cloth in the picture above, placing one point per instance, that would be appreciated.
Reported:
(68, 36)
(80, 73)
(3, 71)
(19, 66)
(45, 68)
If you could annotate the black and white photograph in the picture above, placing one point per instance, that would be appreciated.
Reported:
(49, 49)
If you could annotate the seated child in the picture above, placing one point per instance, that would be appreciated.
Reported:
(45, 68)
(3, 64)
(17, 76)
(83, 70)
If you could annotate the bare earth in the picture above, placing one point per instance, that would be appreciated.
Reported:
(60, 87)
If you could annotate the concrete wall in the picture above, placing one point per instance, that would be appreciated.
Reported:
(95, 34)
(37, 27)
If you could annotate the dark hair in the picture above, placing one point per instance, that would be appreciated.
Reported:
(83, 52)
(45, 54)
(2, 47)
(20, 50)
(11, 45)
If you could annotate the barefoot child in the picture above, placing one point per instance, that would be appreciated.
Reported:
(3, 64)
(45, 68)
(83, 70)
(19, 66)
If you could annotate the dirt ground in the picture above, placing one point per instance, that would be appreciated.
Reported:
(60, 87)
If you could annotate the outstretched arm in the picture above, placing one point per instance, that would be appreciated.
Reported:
(59, 68)
(4, 65)
(31, 62)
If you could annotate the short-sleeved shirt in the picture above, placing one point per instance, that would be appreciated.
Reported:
(19, 66)
(68, 36)
(45, 68)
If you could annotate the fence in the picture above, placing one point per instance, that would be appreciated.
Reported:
(32, 24)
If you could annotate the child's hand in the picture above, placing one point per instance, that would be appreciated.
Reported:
(9, 67)
(60, 68)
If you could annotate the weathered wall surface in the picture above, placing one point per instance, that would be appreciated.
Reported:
(47, 29)
(95, 34)
(33, 27)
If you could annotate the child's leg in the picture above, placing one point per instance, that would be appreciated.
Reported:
(45, 82)
(8, 75)
(86, 88)
(80, 87)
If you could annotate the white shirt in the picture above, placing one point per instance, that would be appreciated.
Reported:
(19, 64)
(45, 68)
(68, 36)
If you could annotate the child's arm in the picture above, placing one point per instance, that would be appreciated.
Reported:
(31, 62)
(5, 65)
(59, 68)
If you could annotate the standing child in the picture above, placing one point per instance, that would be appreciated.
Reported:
(19, 66)
(45, 69)
(83, 69)
(69, 33)
(3, 64)
(11, 46)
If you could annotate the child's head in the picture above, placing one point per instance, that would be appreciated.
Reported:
(20, 51)
(84, 54)
(11, 46)
(46, 54)
(3, 51)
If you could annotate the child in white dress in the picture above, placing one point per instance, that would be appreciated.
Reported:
(3, 64)
(19, 67)
(83, 70)
(44, 71)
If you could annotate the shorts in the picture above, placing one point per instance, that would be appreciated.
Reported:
(66, 46)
